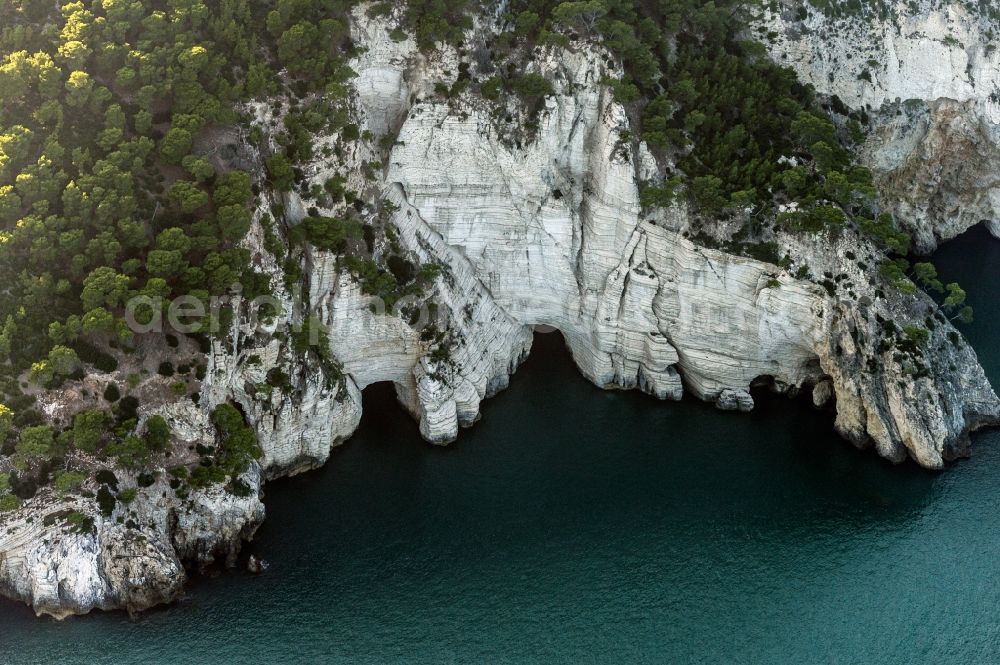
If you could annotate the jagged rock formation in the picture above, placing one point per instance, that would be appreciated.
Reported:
(551, 231)
(63, 567)
(537, 230)
(929, 76)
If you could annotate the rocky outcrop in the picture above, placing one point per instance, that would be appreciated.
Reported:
(549, 231)
(734, 400)
(61, 570)
(546, 229)
(296, 423)
(938, 163)
(928, 74)
(64, 558)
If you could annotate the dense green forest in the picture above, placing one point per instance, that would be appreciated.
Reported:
(111, 186)
(107, 191)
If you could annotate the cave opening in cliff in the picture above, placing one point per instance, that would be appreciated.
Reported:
(771, 396)
(380, 405)
(550, 342)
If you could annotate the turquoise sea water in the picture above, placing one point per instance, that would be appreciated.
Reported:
(577, 525)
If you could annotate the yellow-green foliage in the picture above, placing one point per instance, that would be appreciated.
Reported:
(69, 481)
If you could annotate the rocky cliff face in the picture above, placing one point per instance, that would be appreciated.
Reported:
(549, 231)
(63, 558)
(929, 76)
(543, 229)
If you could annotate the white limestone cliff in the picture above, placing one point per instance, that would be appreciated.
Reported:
(929, 76)
(134, 558)
(534, 230)
(553, 230)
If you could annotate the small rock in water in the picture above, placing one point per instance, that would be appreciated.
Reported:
(255, 565)
(734, 400)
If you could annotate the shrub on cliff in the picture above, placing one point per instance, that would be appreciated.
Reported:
(326, 233)
(6, 422)
(107, 477)
(9, 502)
(36, 443)
(437, 21)
(88, 429)
(105, 501)
(68, 481)
(531, 87)
(112, 393)
(206, 476)
(132, 452)
(157, 433)
(238, 442)
(280, 172)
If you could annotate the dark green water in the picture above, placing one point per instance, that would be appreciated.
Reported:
(578, 525)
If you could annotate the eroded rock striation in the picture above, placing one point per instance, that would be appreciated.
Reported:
(63, 558)
(550, 231)
(546, 228)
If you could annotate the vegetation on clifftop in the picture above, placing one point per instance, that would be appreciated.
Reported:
(118, 180)
(121, 177)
